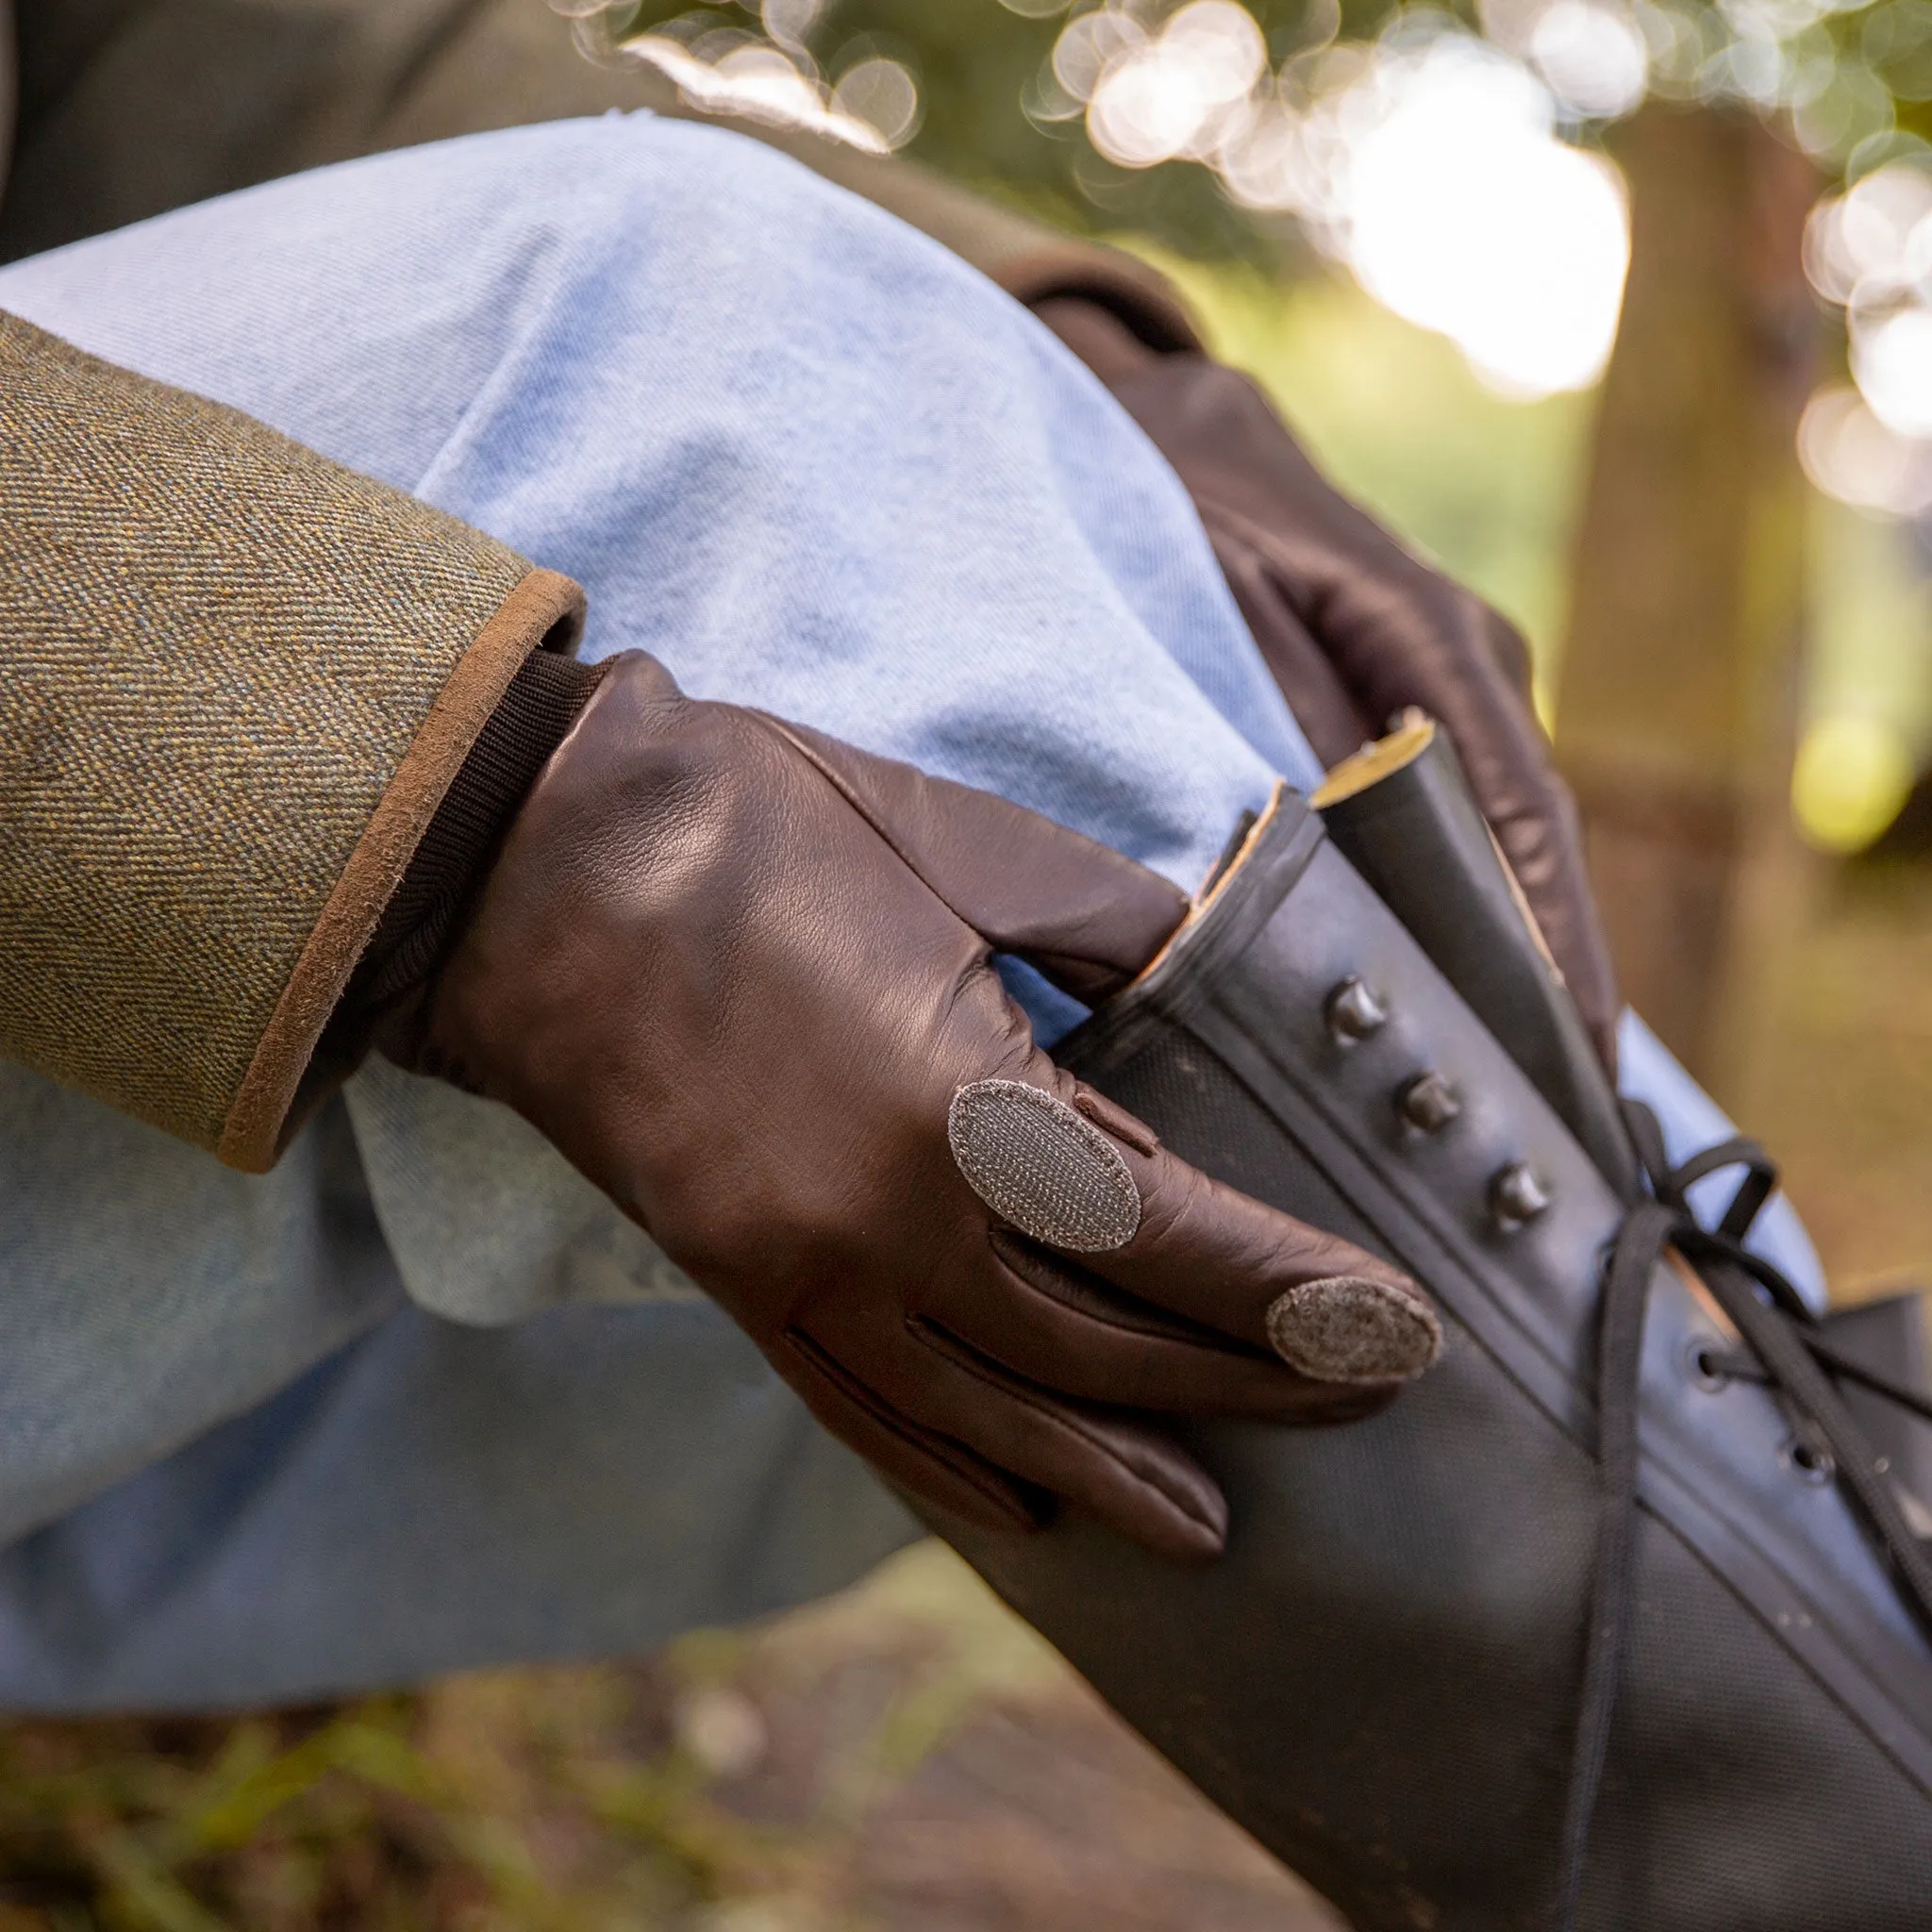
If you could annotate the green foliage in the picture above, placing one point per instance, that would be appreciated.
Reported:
(987, 117)
(1851, 84)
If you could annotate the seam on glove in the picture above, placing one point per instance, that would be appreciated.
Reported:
(951, 1456)
(1069, 1420)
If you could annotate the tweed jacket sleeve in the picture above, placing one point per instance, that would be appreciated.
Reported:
(236, 682)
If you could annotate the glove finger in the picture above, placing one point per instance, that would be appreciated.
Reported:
(1070, 1169)
(1062, 1164)
(1106, 1465)
(1429, 643)
(1328, 1307)
(969, 1435)
(1511, 650)
(1052, 1321)
(1088, 917)
(1543, 838)
(924, 1461)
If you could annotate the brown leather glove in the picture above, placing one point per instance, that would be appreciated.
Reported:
(739, 974)
(1355, 627)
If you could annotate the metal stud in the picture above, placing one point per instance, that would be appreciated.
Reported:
(1428, 1103)
(1517, 1194)
(1354, 1011)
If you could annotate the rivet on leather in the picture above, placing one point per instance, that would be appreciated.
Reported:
(1354, 1011)
(1430, 1103)
(1517, 1194)
(1042, 1167)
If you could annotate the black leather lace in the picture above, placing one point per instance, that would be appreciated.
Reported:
(1781, 1347)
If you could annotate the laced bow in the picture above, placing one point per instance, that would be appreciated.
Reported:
(1783, 1348)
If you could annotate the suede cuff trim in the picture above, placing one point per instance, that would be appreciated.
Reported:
(544, 609)
(418, 924)
(425, 917)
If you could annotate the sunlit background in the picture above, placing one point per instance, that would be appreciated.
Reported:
(1443, 168)
(1450, 165)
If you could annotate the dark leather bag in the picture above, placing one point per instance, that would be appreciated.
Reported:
(1382, 1677)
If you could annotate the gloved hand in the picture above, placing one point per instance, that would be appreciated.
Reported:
(1355, 627)
(739, 974)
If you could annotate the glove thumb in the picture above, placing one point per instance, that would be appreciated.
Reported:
(1084, 916)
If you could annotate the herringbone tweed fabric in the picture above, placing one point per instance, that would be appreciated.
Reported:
(235, 679)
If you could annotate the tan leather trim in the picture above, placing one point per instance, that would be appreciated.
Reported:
(527, 618)
(1198, 904)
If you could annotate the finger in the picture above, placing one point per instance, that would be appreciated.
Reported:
(1088, 917)
(1324, 1305)
(986, 1445)
(1509, 650)
(1542, 837)
(1046, 1319)
(1108, 1466)
(924, 1461)
(1448, 652)
(1079, 1174)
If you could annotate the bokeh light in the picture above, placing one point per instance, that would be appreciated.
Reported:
(880, 93)
(1874, 243)
(1467, 215)
(1592, 57)
(1590, 54)
(1892, 358)
(1451, 170)
(771, 78)
(1870, 252)
(790, 22)
(1848, 452)
(1852, 774)
(1431, 164)
(1173, 92)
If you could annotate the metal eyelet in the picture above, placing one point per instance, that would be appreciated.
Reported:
(1811, 1462)
(1701, 1356)
(1428, 1103)
(1354, 1010)
(1517, 1194)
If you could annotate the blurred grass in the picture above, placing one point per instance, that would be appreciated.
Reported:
(906, 1754)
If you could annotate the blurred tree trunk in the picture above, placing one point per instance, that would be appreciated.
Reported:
(1674, 701)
